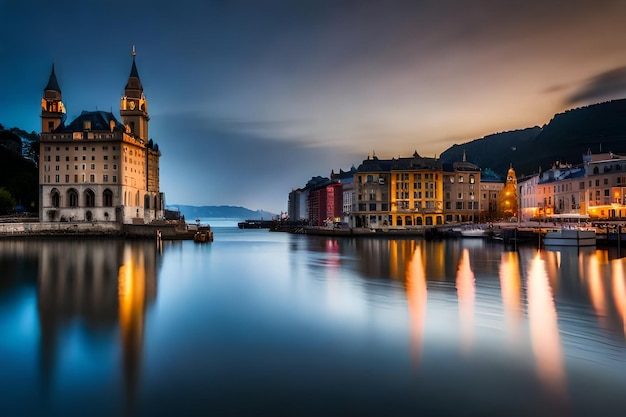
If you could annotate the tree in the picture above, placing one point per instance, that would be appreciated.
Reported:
(7, 202)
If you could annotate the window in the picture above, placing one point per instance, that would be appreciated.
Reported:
(107, 198)
(105, 178)
(67, 178)
(106, 157)
(90, 198)
(84, 158)
(471, 178)
(56, 178)
(114, 178)
(92, 178)
(57, 158)
(93, 166)
(73, 198)
(55, 198)
(372, 207)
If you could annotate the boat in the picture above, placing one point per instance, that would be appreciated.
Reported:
(469, 231)
(204, 234)
(570, 237)
(256, 224)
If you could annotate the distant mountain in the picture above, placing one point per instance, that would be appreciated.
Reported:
(225, 212)
(598, 128)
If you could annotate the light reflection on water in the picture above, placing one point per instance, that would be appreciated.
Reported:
(271, 323)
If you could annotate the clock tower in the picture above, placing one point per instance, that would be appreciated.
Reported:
(133, 106)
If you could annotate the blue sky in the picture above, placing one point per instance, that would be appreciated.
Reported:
(249, 99)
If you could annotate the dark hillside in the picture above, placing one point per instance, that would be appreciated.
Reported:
(569, 135)
(21, 178)
(493, 151)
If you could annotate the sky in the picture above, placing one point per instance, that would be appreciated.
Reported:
(249, 99)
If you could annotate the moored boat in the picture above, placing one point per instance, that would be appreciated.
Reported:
(204, 234)
(570, 237)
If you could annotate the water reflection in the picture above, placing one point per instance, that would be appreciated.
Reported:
(619, 289)
(102, 289)
(544, 330)
(416, 296)
(466, 291)
(510, 285)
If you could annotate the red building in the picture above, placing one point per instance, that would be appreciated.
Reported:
(326, 204)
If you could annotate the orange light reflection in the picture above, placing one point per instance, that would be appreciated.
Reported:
(544, 331)
(466, 292)
(619, 290)
(510, 284)
(416, 296)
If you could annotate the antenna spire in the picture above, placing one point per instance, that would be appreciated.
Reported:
(134, 53)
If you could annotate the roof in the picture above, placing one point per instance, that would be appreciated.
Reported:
(53, 84)
(100, 120)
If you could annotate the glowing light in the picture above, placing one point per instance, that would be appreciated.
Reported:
(416, 296)
(510, 284)
(544, 331)
(466, 292)
(596, 288)
(619, 290)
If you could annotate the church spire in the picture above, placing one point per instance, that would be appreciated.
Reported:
(134, 83)
(52, 86)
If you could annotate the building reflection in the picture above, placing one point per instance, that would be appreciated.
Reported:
(510, 286)
(544, 331)
(105, 285)
(466, 291)
(416, 295)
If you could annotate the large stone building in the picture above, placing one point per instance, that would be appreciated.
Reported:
(96, 168)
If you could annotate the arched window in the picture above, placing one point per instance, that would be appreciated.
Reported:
(398, 221)
(408, 221)
(596, 170)
(137, 199)
(419, 221)
(72, 198)
(146, 202)
(55, 198)
(90, 198)
(107, 198)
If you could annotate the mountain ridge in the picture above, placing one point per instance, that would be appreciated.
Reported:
(224, 211)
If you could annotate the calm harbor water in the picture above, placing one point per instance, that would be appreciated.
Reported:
(261, 323)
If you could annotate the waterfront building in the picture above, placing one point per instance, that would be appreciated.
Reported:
(490, 186)
(461, 188)
(346, 178)
(605, 185)
(297, 209)
(371, 185)
(96, 168)
(416, 191)
(529, 198)
(561, 190)
(401, 192)
(324, 201)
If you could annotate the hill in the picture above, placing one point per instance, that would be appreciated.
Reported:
(224, 212)
(598, 127)
(21, 178)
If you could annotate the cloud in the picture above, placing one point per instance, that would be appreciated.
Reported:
(609, 84)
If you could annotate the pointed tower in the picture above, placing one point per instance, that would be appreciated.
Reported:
(52, 108)
(133, 106)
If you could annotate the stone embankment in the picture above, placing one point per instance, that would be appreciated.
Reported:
(166, 230)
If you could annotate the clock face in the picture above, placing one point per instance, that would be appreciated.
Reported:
(131, 105)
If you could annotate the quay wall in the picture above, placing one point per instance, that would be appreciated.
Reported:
(56, 228)
(167, 231)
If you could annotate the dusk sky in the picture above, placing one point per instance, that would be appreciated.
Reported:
(250, 99)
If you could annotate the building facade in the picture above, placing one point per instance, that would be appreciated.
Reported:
(461, 188)
(96, 168)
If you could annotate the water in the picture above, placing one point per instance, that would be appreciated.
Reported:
(261, 323)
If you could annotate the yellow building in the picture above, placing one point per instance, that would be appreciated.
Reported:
(401, 192)
(416, 191)
(97, 169)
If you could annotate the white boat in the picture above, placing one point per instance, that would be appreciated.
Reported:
(470, 231)
(570, 237)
